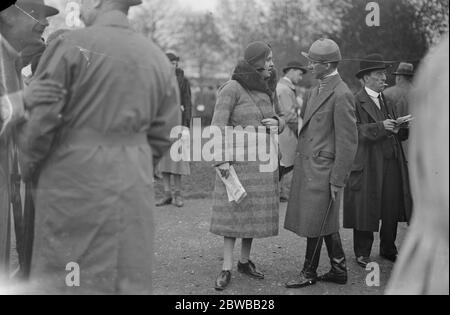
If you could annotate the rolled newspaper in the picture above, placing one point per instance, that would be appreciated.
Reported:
(235, 190)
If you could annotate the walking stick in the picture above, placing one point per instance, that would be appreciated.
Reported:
(321, 231)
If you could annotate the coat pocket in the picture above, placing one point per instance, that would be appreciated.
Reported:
(355, 182)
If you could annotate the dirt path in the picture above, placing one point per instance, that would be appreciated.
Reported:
(188, 258)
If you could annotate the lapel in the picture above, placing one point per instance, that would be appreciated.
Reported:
(368, 104)
(389, 108)
(317, 101)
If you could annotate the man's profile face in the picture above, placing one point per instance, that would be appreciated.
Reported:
(318, 69)
(376, 80)
(28, 25)
(297, 76)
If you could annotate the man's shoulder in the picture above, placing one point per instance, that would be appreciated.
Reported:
(393, 92)
(342, 90)
(94, 37)
(283, 87)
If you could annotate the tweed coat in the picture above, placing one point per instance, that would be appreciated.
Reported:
(327, 147)
(258, 215)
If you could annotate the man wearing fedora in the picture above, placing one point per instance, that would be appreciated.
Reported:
(326, 148)
(378, 188)
(287, 96)
(399, 95)
(22, 23)
(94, 152)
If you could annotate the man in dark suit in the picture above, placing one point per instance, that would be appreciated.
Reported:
(378, 188)
(327, 146)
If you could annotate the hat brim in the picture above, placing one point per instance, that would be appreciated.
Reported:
(47, 10)
(304, 70)
(408, 74)
(306, 55)
(362, 72)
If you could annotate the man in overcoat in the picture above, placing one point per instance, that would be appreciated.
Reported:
(93, 151)
(326, 149)
(21, 26)
(287, 96)
(378, 188)
(399, 95)
(169, 168)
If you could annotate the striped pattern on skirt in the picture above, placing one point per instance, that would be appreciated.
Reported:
(258, 214)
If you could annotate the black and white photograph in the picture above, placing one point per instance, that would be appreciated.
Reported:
(225, 155)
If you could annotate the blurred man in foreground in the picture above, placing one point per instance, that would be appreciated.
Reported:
(423, 264)
(92, 154)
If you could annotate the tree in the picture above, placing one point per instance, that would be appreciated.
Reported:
(398, 38)
(202, 44)
(241, 22)
(432, 18)
(159, 20)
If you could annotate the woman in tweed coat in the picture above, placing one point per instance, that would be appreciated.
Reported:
(248, 100)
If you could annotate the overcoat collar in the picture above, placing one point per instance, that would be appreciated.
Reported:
(287, 83)
(319, 100)
(369, 105)
(113, 18)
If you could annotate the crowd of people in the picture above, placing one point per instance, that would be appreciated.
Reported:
(83, 137)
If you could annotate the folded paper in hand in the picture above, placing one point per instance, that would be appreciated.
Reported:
(235, 190)
(404, 120)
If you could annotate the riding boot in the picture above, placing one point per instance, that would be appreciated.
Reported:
(308, 276)
(338, 272)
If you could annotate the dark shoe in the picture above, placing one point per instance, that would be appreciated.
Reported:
(249, 269)
(391, 258)
(337, 274)
(304, 280)
(165, 202)
(363, 261)
(223, 280)
(178, 200)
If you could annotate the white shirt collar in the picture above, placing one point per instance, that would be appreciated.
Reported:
(372, 93)
(332, 74)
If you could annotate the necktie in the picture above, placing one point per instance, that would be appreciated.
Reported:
(383, 107)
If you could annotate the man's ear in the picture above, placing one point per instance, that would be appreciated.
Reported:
(365, 78)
